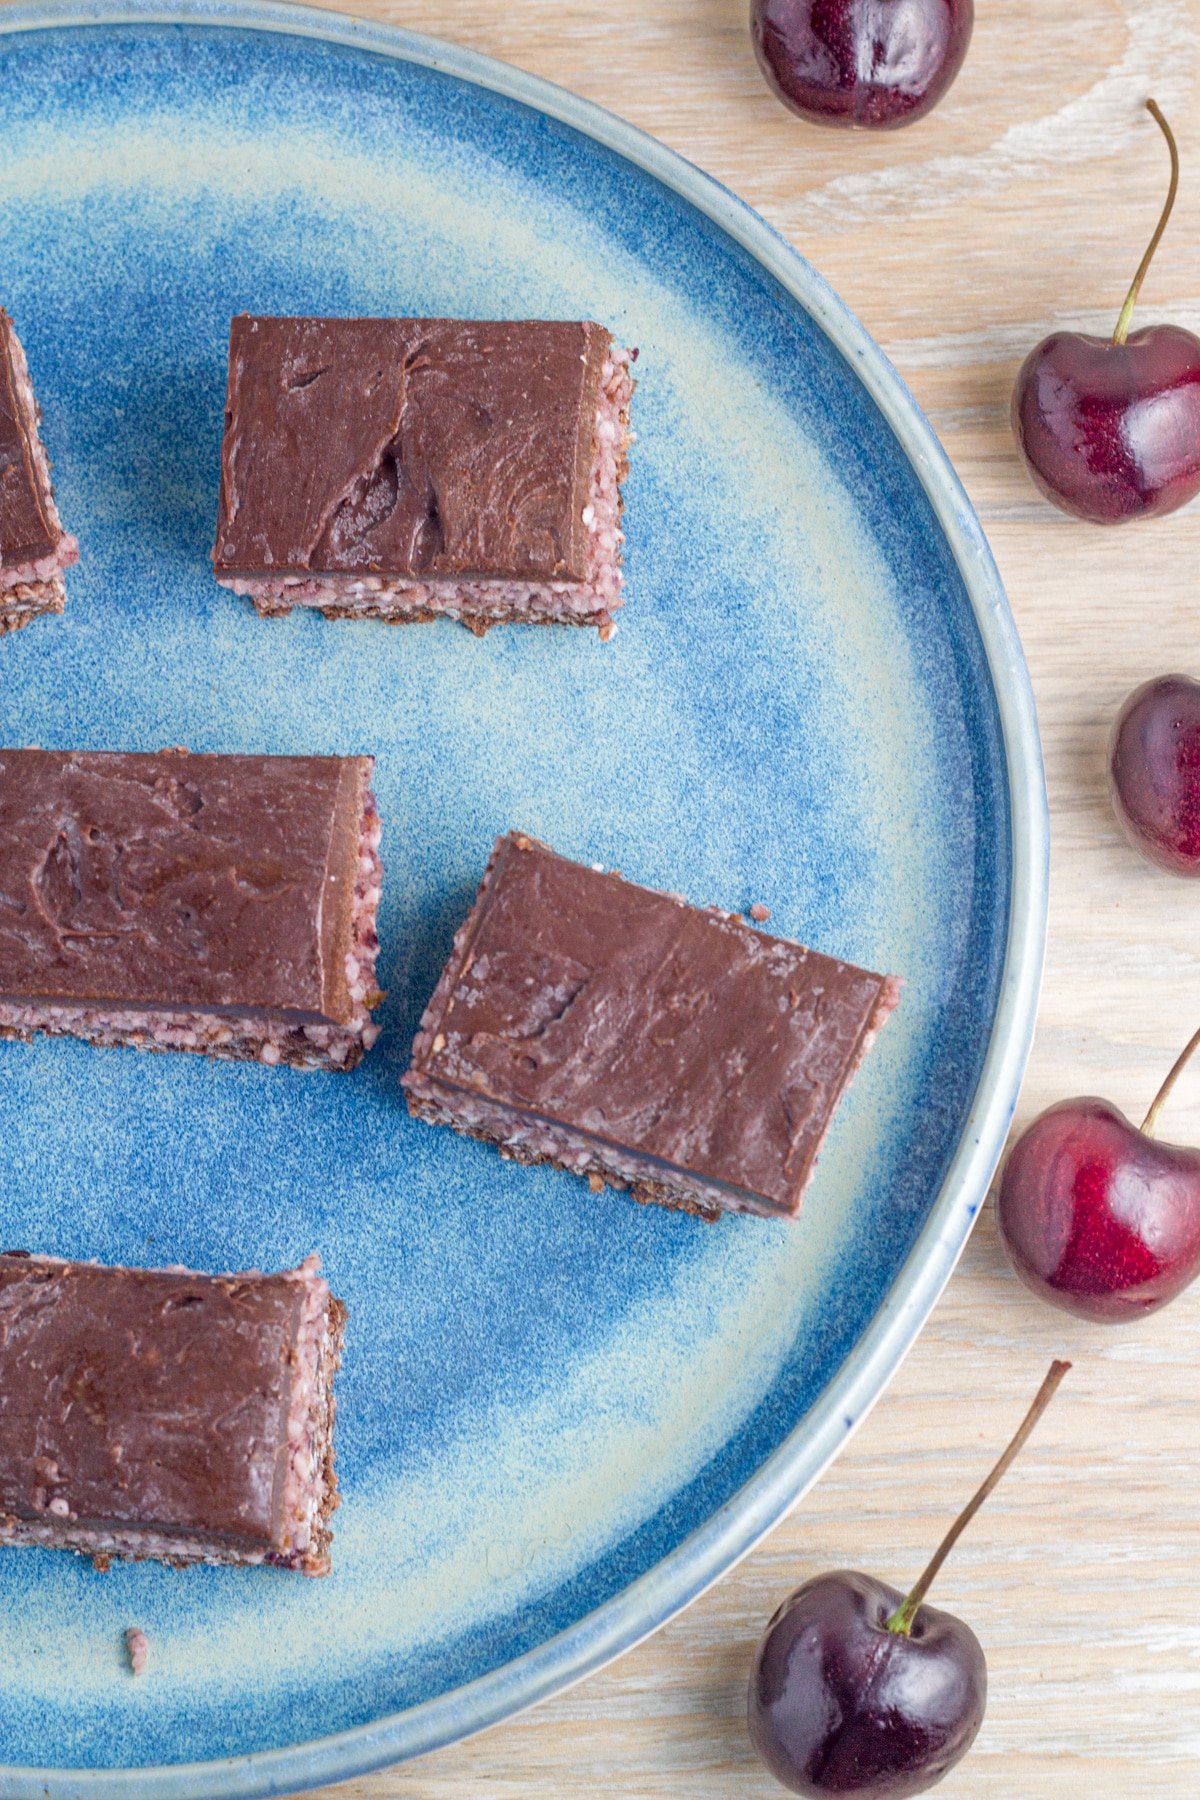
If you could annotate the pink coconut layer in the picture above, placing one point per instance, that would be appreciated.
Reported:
(310, 1485)
(230, 1035)
(309, 1496)
(28, 589)
(480, 601)
(43, 572)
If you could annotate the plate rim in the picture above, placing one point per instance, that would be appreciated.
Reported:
(813, 1443)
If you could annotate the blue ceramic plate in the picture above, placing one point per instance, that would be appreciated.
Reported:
(561, 1416)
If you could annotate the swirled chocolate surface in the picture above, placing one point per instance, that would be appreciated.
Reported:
(408, 446)
(152, 1398)
(179, 882)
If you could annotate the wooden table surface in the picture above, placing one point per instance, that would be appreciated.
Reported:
(1024, 202)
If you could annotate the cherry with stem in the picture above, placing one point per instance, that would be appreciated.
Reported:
(1109, 428)
(861, 1691)
(1097, 1216)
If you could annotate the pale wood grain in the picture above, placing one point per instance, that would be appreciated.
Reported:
(1025, 201)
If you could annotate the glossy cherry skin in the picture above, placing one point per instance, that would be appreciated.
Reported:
(841, 1705)
(878, 63)
(1098, 1218)
(1154, 772)
(1112, 431)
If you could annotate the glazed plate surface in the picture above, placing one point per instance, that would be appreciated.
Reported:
(560, 1415)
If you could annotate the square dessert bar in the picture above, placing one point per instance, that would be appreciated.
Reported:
(626, 1036)
(160, 1413)
(402, 469)
(34, 548)
(221, 904)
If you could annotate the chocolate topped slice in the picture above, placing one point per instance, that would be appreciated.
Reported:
(161, 1413)
(34, 549)
(215, 903)
(623, 1034)
(401, 468)
(27, 531)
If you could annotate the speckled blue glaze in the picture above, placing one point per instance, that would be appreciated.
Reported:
(559, 1415)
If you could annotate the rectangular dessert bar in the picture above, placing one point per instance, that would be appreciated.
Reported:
(161, 1413)
(221, 904)
(626, 1036)
(404, 469)
(34, 548)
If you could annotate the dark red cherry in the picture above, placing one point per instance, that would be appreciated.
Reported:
(1112, 431)
(1098, 1217)
(841, 1705)
(1154, 772)
(878, 63)
(1110, 428)
(860, 1691)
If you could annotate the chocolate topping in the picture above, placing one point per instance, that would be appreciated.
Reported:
(176, 882)
(581, 999)
(408, 446)
(27, 530)
(148, 1398)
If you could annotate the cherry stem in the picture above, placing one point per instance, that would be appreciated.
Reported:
(1150, 1122)
(902, 1619)
(1123, 323)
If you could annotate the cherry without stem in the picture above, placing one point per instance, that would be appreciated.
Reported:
(873, 63)
(1110, 428)
(1154, 772)
(860, 1691)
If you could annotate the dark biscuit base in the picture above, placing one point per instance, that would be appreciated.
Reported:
(478, 624)
(599, 1177)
